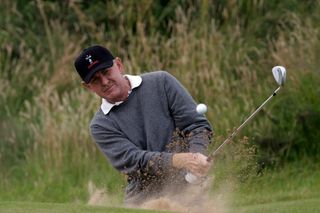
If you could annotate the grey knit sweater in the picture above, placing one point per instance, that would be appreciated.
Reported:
(135, 134)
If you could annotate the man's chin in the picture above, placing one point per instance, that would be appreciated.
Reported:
(110, 99)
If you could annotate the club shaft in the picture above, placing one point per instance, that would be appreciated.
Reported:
(234, 133)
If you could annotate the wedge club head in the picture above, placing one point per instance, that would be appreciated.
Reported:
(279, 74)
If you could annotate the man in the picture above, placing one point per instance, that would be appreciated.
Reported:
(147, 125)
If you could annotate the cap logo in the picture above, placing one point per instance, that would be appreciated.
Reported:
(89, 59)
(91, 63)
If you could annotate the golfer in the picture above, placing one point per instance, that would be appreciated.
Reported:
(147, 125)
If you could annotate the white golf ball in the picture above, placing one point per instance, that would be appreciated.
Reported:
(201, 108)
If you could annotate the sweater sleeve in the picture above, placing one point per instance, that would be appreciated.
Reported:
(128, 158)
(183, 109)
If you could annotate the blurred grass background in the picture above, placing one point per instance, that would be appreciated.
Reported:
(222, 51)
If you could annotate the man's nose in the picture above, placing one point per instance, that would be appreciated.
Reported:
(104, 80)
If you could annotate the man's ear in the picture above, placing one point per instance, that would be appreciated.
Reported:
(119, 65)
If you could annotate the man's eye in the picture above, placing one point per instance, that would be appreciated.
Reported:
(94, 80)
(104, 72)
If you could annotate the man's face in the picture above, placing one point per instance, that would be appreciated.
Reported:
(110, 83)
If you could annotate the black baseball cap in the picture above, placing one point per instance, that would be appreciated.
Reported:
(92, 60)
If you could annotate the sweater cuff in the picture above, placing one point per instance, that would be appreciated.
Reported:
(167, 161)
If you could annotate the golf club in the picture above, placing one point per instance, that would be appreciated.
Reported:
(279, 74)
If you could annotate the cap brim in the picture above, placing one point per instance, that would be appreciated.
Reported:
(96, 69)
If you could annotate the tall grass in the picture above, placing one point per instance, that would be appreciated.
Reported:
(222, 52)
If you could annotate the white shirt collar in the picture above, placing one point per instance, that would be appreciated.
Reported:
(134, 80)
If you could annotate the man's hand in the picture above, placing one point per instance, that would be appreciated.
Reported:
(195, 163)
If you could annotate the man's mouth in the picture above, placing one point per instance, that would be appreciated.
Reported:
(107, 89)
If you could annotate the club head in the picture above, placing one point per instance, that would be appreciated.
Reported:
(279, 74)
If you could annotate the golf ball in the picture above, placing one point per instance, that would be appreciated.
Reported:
(201, 108)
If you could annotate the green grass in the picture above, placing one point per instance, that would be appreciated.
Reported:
(29, 207)
(295, 181)
(294, 187)
(306, 206)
